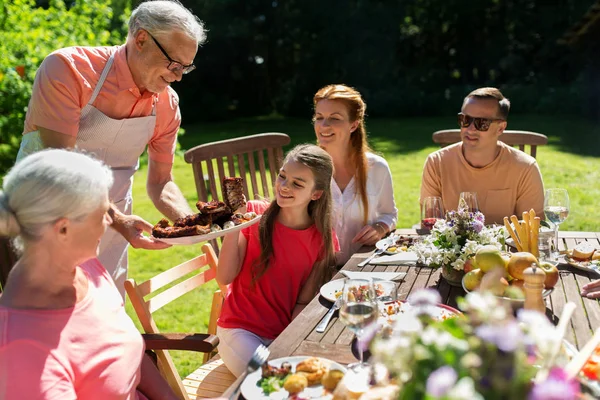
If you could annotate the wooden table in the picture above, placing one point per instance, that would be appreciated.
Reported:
(301, 339)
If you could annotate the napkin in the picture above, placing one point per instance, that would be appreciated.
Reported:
(386, 276)
(404, 257)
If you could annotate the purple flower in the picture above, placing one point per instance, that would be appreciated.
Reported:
(363, 341)
(477, 226)
(424, 297)
(556, 387)
(506, 337)
(480, 217)
(441, 381)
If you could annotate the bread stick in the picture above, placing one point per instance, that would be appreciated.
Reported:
(512, 234)
(535, 233)
(525, 241)
(517, 226)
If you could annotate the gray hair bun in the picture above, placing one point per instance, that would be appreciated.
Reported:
(9, 226)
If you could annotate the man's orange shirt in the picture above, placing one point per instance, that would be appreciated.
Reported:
(64, 84)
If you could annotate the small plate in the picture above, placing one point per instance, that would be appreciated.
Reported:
(329, 289)
(187, 240)
(389, 315)
(393, 242)
(589, 266)
(250, 390)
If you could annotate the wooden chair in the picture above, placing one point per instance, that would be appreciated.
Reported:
(8, 258)
(511, 138)
(148, 297)
(244, 157)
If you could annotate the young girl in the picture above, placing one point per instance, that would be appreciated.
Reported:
(364, 209)
(275, 268)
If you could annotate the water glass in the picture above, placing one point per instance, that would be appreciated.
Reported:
(469, 199)
(556, 209)
(432, 210)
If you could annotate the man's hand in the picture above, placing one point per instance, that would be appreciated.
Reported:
(591, 290)
(132, 228)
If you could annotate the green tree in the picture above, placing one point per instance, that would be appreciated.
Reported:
(29, 33)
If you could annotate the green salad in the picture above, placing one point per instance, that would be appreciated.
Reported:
(271, 384)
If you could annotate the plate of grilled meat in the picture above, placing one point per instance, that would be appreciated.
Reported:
(214, 219)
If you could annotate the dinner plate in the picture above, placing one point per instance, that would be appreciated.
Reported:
(589, 266)
(250, 389)
(187, 240)
(391, 311)
(329, 289)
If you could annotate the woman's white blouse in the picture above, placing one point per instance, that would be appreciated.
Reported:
(348, 210)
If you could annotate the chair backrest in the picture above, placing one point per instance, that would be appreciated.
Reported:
(146, 301)
(244, 157)
(8, 258)
(511, 138)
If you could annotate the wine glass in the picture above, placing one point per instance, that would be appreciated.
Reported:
(470, 200)
(556, 209)
(358, 309)
(431, 211)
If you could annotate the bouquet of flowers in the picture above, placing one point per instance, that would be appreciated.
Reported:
(454, 240)
(486, 353)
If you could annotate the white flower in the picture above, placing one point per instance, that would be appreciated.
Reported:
(464, 390)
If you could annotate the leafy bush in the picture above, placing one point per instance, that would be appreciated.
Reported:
(28, 34)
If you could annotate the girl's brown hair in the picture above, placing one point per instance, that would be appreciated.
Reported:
(358, 138)
(321, 166)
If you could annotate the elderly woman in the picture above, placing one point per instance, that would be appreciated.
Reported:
(64, 333)
(362, 192)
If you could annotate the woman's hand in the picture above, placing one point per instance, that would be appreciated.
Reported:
(371, 234)
(591, 290)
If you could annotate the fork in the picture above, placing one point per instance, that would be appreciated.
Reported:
(258, 359)
(323, 325)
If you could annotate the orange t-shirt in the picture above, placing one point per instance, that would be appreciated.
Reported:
(64, 84)
(510, 184)
(266, 309)
(87, 352)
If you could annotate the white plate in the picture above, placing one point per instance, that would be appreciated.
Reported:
(442, 311)
(251, 391)
(392, 242)
(582, 265)
(329, 289)
(186, 240)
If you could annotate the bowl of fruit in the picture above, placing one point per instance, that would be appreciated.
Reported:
(502, 274)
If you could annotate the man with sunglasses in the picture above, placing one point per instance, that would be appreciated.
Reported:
(507, 181)
(115, 101)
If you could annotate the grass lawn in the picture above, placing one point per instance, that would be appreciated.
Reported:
(571, 160)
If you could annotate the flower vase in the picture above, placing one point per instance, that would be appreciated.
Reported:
(452, 276)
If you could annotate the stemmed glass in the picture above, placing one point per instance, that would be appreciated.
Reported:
(358, 309)
(431, 211)
(556, 209)
(470, 199)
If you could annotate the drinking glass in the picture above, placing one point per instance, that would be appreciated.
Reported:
(470, 200)
(431, 210)
(358, 309)
(556, 209)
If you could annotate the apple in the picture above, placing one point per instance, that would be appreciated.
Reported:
(469, 265)
(472, 279)
(489, 257)
(519, 262)
(517, 283)
(551, 274)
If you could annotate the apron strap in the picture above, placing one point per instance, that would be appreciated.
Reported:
(105, 72)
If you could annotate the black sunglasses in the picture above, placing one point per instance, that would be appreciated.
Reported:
(481, 124)
(174, 66)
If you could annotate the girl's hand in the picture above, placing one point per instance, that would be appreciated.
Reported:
(370, 234)
(591, 290)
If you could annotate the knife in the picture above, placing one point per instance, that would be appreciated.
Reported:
(377, 252)
(323, 325)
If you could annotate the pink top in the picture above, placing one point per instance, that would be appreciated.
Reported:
(90, 351)
(64, 84)
(266, 309)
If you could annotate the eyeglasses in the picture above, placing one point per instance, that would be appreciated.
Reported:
(174, 66)
(481, 124)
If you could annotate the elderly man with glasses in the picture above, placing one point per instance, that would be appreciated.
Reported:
(113, 102)
(507, 181)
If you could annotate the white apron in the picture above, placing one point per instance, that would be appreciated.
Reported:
(119, 144)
